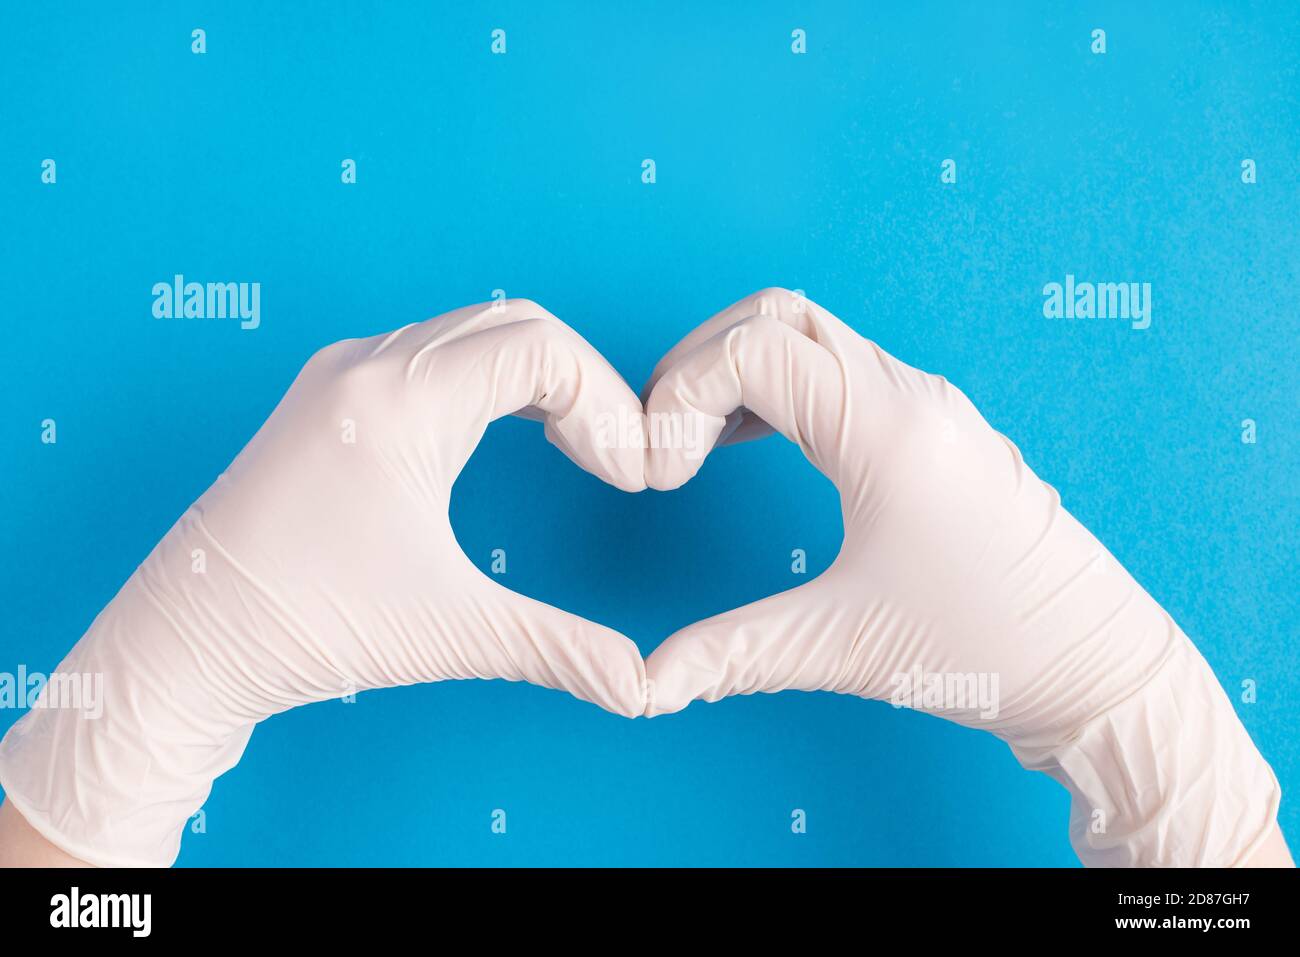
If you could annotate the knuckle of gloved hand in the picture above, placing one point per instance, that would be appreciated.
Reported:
(534, 331)
(328, 357)
(756, 335)
(771, 299)
(524, 309)
(543, 343)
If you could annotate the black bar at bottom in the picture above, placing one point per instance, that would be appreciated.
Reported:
(609, 909)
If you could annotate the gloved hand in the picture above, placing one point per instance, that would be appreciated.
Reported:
(959, 566)
(321, 562)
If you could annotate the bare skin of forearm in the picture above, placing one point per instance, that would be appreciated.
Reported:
(21, 845)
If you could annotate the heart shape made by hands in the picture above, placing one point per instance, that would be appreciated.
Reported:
(962, 587)
(322, 562)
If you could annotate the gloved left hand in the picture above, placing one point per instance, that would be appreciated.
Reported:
(322, 561)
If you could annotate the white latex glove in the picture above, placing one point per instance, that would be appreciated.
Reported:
(331, 567)
(957, 560)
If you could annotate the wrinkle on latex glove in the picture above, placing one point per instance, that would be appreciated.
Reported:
(958, 563)
(322, 563)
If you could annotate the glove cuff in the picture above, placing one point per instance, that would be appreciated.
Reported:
(1166, 778)
(115, 785)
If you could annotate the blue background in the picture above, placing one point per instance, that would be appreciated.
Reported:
(522, 172)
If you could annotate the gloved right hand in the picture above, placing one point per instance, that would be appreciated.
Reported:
(959, 566)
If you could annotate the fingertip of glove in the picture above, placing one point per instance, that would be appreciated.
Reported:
(656, 705)
(630, 483)
(664, 472)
